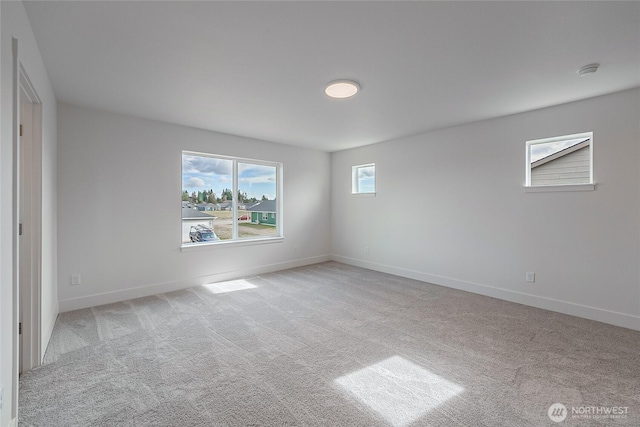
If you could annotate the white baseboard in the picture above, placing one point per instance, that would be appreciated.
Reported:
(13, 422)
(158, 288)
(592, 313)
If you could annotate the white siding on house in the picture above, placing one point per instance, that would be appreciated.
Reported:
(572, 168)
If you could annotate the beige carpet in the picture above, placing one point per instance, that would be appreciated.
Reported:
(330, 345)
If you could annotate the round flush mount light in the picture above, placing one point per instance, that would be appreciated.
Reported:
(588, 69)
(341, 89)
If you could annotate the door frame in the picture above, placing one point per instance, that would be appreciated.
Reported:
(20, 80)
(30, 242)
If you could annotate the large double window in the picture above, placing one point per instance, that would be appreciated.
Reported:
(228, 199)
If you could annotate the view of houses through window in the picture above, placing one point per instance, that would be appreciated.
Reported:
(211, 213)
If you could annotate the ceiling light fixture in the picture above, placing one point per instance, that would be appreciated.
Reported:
(588, 69)
(341, 89)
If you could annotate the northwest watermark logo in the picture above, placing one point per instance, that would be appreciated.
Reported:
(558, 412)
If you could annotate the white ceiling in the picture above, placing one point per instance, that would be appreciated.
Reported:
(258, 69)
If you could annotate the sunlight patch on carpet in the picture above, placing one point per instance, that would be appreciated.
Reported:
(398, 390)
(230, 286)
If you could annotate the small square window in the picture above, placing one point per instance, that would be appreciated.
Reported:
(363, 179)
(564, 160)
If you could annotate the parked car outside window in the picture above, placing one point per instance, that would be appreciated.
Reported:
(200, 233)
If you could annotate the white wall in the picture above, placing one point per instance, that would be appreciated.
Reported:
(14, 23)
(119, 210)
(450, 209)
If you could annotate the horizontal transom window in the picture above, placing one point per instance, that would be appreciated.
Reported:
(564, 160)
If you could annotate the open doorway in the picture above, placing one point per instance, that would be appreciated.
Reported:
(30, 223)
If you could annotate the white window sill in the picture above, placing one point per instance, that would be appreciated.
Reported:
(227, 243)
(553, 188)
(364, 194)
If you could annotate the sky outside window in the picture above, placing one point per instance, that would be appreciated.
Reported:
(257, 181)
(202, 173)
(540, 151)
(366, 179)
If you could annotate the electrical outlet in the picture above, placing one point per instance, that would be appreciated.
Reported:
(75, 279)
(295, 249)
(530, 277)
(366, 250)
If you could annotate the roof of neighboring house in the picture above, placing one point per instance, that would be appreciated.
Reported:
(188, 213)
(263, 206)
(561, 153)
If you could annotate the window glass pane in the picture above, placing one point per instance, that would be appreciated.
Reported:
(366, 179)
(363, 179)
(206, 198)
(560, 161)
(257, 201)
(208, 205)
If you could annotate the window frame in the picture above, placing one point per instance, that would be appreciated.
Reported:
(529, 188)
(235, 240)
(355, 187)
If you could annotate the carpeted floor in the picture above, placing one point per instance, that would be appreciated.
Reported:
(329, 345)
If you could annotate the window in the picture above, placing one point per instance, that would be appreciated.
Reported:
(229, 199)
(561, 161)
(363, 179)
